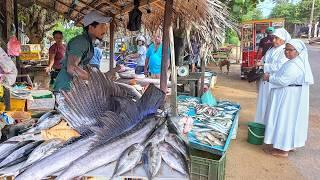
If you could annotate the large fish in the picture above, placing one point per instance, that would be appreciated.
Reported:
(151, 160)
(9, 149)
(19, 155)
(177, 144)
(109, 152)
(7, 145)
(173, 158)
(158, 135)
(43, 150)
(46, 123)
(128, 159)
(132, 156)
(58, 160)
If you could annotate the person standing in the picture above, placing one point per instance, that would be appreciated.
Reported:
(287, 113)
(140, 56)
(56, 54)
(97, 56)
(265, 43)
(195, 54)
(154, 58)
(80, 50)
(271, 63)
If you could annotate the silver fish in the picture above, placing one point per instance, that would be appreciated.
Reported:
(158, 135)
(19, 155)
(47, 123)
(128, 159)
(58, 160)
(173, 158)
(43, 150)
(178, 144)
(7, 145)
(116, 146)
(151, 160)
(9, 149)
(44, 116)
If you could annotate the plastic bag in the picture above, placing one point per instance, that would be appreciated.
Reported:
(7, 119)
(208, 98)
(14, 46)
(8, 70)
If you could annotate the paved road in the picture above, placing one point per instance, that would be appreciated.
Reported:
(307, 160)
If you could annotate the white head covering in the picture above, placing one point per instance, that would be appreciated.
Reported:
(282, 34)
(303, 56)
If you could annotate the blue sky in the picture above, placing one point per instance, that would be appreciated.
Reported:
(267, 6)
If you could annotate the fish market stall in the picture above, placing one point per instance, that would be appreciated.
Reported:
(113, 131)
(128, 131)
(213, 127)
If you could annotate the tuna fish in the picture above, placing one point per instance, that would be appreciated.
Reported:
(151, 160)
(173, 158)
(128, 159)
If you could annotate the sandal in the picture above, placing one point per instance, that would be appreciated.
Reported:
(279, 153)
(267, 150)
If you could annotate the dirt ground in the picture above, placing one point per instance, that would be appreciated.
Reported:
(246, 161)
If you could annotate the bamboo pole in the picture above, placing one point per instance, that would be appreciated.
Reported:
(173, 76)
(165, 45)
(111, 44)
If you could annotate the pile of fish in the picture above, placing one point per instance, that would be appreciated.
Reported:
(211, 125)
(115, 125)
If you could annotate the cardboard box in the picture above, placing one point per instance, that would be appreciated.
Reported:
(43, 100)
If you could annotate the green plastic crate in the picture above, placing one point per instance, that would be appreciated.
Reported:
(207, 166)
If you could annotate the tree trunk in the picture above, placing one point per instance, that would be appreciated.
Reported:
(37, 22)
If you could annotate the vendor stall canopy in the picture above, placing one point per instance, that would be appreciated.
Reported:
(210, 17)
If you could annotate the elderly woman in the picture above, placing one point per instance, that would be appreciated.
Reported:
(272, 62)
(287, 112)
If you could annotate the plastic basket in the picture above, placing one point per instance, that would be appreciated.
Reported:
(220, 150)
(207, 166)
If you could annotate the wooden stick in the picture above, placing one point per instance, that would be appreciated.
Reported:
(112, 28)
(173, 76)
(165, 45)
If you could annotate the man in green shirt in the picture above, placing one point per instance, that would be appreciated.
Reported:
(80, 50)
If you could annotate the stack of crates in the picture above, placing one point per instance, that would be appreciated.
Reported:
(207, 166)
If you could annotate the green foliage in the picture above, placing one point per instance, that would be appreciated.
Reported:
(296, 13)
(240, 8)
(254, 14)
(232, 37)
(68, 29)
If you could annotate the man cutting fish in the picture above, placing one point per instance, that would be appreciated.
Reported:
(80, 50)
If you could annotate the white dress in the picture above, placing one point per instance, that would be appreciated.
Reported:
(287, 112)
(273, 60)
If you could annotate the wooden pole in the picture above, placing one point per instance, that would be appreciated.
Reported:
(165, 45)
(16, 24)
(203, 67)
(173, 76)
(112, 28)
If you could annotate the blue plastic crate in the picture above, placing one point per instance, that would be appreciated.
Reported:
(220, 150)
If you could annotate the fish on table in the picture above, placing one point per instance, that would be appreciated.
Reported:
(113, 127)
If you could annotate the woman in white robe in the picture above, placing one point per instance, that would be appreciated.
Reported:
(272, 62)
(287, 112)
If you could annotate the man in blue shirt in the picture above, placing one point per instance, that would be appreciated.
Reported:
(154, 58)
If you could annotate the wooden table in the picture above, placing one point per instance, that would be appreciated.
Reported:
(194, 80)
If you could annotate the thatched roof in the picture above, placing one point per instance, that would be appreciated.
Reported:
(211, 17)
